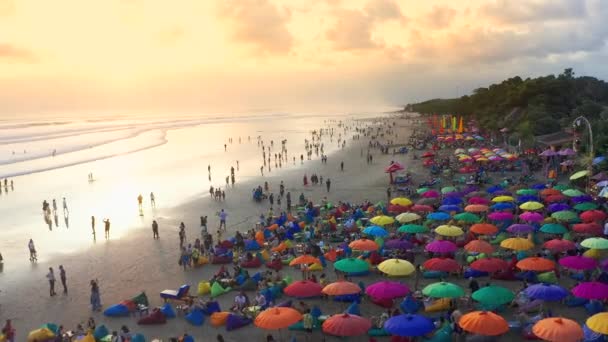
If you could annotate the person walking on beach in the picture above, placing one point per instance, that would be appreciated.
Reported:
(32, 248)
(51, 278)
(62, 277)
(54, 206)
(342, 166)
(155, 230)
(203, 225)
(95, 296)
(140, 199)
(328, 184)
(288, 196)
(65, 207)
(223, 216)
(8, 331)
(107, 228)
(152, 200)
(182, 234)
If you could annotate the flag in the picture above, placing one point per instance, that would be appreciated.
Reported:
(460, 126)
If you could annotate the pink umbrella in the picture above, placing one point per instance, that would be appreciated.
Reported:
(441, 246)
(531, 216)
(387, 290)
(479, 200)
(566, 152)
(558, 245)
(500, 216)
(591, 290)
(578, 262)
(548, 153)
(604, 264)
(422, 208)
(394, 167)
(430, 194)
(520, 228)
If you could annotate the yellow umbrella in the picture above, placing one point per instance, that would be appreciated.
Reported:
(579, 174)
(517, 244)
(531, 205)
(447, 230)
(482, 159)
(396, 267)
(593, 253)
(382, 220)
(598, 323)
(401, 201)
(407, 217)
(503, 199)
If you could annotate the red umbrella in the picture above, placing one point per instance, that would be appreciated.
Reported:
(489, 265)
(346, 325)
(550, 192)
(593, 215)
(428, 154)
(303, 289)
(394, 167)
(558, 245)
(431, 194)
(592, 228)
(422, 208)
(555, 198)
(397, 209)
(479, 246)
(442, 264)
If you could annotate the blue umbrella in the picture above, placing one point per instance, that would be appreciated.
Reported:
(375, 231)
(450, 207)
(558, 207)
(494, 188)
(438, 216)
(409, 325)
(452, 200)
(453, 194)
(527, 198)
(503, 206)
(598, 160)
(548, 292)
(539, 186)
(581, 199)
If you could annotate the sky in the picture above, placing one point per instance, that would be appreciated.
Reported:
(206, 55)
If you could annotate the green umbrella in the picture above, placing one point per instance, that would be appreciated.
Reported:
(553, 228)
(412, 229)
(579, 174)
(422, 190)
(560, 187)
(493, 295)
(467, 217)
(526, 192)
(447, 189)
(573, 193)
(351, 265)
(564, 215)
(443, 290)
(586, 206)
(595, 243)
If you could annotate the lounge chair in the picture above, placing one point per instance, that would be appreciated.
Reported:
(175, 295)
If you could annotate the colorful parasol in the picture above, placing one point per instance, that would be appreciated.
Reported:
(364, 245)
(484, 323)
(448, 230)
(500, 216)
(305, 260)
(387, 290)
(517, 244)
(412, 229)
(593, 215)
(346, 325)
(420, 208)
(396, 267)
(409, 325)
(519, 228)
(351, 265)
(557, 329)
(441, 264)
(559, 245)
(375, 231)
(592, 228)
(489, 265)
(593, 290)
(532, 205)
(476, 208)
(303, 289)
(401, 201)
(382, 220)
(585, 206)
(341, 288)
(503, 199)
(438, 216)
(595, 243)
(407, 217)
(277, 318)
(467, 217)
(553, 228)
(441, 246)
(598, 323)
(578, 262)
(531, 216)
(536, 264)
(484, 229)
(479, 246)
(443, 290)
(398, 244)
(493, 295)
(548, 292)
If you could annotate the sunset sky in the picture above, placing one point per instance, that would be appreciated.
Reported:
(63, 55)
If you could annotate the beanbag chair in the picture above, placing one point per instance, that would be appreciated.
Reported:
(88, 338)
(440, 304)
(100, 332)
(221, 259)
(251, 245)
(240, 279)
(211, 308)
(201, 261)
(332, 255)
(279, 248)
(234, 322)
(195, 317)
(276, 265)
(156, 317)
(264, 255)
(377, 332)
(288, 260)
(253, 263)
(499, 238)
(434, 274)
(218, 290)
(117, 310)
(138, 338)
(285, 304)
(548, 277)
(383, 302)
(168, 311)
(226, 244)
(140, 299)
(203, 288)
(42, 334)
(353, 309)
(410, 305)
(287, 280)
(315, 267)
(219, 318)
(248, 285)
(276, 291)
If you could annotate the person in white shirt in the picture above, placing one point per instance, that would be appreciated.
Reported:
(51, 278)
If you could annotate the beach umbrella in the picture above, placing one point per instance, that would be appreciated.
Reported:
(441, 264)
(351, 265)
(558, 207)
(303, 289)
(550, 192)
(364, 245)
(489, 265)
(548, 292)
(559, 245)
(557, 329)
(560, 187)
(598, 323)
(479, 246)
(519, 228)
(443, 290)
(527, 198)
(448, 230)
(584, 206)
(602, 184)
(420, 208)
(382, 220)
(341, 288)
(448, 208)
(467, 217)
(277, 318)
(500, 216)
(412, 229)
(595, 243)
(387, 290)
(409, 325)
(420, 191)
(555, 198)
(407, 217)
(451, 201)
(431, 194)
(427, 154)
(594, 253)
(441, 246)
(484, 323)
(396, 267)
(493, 295)
(531, 205)
(459, 151)
(304, 259)
(593, 290)
(587, 228)
(553, 228)
(579, 174)
(593, 215)
(564, 215)
(476, 208)
(598, 160)
(572, 192)
(478, 200)
(447, 189)
(453, 194)
(567, 152)
(438, 216)
(531, 216)
(484, 229)
(375, 231)
(536, 264)
(526, 192)
(517, 244)
(499, 199)
(548, 153)
(401, 201)
(346, 325)
(398, 244)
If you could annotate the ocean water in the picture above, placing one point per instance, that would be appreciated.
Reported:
(128, 156)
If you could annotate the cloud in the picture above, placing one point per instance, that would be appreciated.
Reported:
(171, 35)
(258, 23)
(7, 7)
(508, 12)
(14, 53)
(352, 31)
(440, 17)
(383, 10)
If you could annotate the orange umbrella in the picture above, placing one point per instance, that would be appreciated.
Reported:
(281, 247)
(277, 318)
(550, 192)
(476, 208)
(484, 323)
(273, 227)
(346, 325)
(479, 246)
(535, 264)
(484, 229)
(364, 245)
(341, 288)
(304, 259)
(558, 329)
